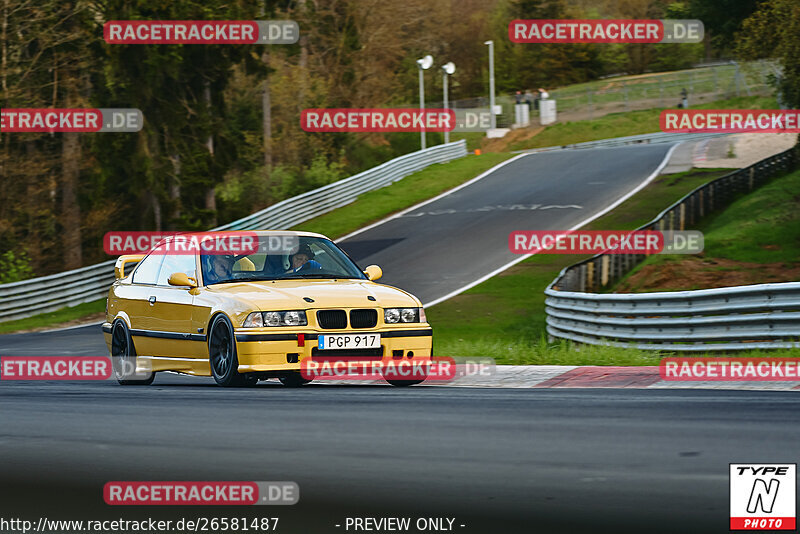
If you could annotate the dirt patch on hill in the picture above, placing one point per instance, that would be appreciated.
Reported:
(743, 150)
(502, 144)
(706, 273)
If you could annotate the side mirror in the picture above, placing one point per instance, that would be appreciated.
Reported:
(182, 280)
(373, 272)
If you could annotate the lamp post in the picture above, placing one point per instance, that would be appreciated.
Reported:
(491, 83)
(423, 64)
(447, 70)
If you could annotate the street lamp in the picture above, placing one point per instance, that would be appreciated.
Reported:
(447, 69)
(491, 83)
(423, 64)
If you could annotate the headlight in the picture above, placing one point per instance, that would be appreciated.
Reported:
(403, 315)
(409, 315)
(294, 318)
(276, 318)
(272, 319)
(391, 315)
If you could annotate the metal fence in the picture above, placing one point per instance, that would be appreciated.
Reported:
(654, 138)
(677, 320)
(70, 288)
(703, 83)
(663, 90)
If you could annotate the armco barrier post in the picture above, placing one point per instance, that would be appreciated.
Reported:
(604, 266)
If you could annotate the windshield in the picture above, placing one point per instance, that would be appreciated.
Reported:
(282, 258)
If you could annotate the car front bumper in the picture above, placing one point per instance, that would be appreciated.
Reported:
(264, 352)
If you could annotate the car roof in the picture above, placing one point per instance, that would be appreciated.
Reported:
(257, 232)
(286, 232)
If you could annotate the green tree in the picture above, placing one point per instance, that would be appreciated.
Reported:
(772, 33)
(722, 19)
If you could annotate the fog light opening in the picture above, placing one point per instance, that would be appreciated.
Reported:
(410, 354)
(397, 354)
(292, 357)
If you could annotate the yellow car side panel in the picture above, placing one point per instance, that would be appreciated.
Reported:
(190, 366)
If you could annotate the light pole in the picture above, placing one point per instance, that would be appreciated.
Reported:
(491, 83)
(423, 64)
(447, 70)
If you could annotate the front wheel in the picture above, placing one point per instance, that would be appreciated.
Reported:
(404, 383)
(222, 355)
(123, 357)
(404, 368)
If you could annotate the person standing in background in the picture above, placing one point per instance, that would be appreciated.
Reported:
(684, 99)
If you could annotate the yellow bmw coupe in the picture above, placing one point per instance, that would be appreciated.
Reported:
(244, 318)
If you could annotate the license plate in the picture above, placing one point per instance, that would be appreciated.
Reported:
(349, 341)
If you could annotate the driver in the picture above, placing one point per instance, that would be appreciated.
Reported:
(303, 260)
(219, 268)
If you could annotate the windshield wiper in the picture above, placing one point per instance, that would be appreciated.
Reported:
(320, 276)
(258, 279)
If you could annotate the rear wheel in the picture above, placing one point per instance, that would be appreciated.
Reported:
(123, 357)
(222, 356)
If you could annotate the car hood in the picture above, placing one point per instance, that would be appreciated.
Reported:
(291, 294)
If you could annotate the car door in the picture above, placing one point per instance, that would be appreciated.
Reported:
(171, 310)
(133, 301)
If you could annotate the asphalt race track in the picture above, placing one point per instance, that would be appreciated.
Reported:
(442, 246)
(495, 460)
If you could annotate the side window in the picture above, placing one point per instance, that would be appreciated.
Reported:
(179, 263)
(147, 270)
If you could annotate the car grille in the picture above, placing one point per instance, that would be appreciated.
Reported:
(363, 318)
(332, 319)
(347, 353)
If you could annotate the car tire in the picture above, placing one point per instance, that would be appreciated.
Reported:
(293, 379)
(123, 356)
(404, 383)
(222, 355)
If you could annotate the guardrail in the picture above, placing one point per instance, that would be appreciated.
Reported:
(641, 139)
(70, 288)
(759, 316)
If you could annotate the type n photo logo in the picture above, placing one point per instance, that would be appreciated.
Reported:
(763, 496)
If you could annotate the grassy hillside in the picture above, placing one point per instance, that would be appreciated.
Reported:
(755, 240)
